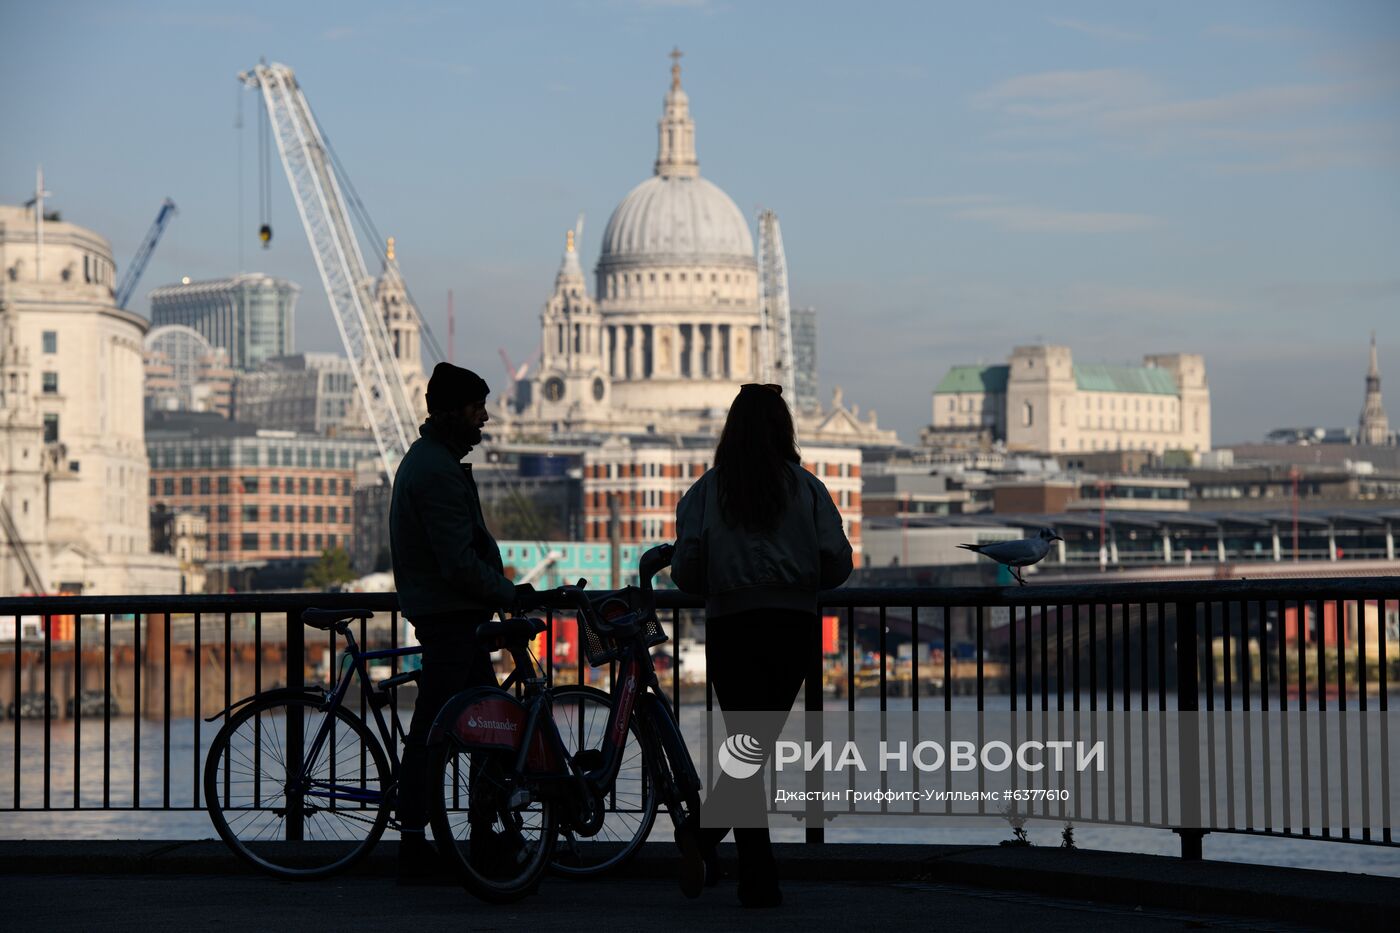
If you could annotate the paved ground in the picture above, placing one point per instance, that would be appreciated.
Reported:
(194, 886)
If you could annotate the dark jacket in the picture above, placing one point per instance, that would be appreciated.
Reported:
(737, 570)
(444, 558)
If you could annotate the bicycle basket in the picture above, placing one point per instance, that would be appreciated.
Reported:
(600, 648)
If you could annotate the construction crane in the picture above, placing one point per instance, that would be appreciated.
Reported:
(307, 160)
(143, 253)
(775, 350)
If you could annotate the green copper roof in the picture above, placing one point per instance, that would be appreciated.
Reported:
(991, 379)
(1147, 380)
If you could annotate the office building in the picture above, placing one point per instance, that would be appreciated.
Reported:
(249, 315)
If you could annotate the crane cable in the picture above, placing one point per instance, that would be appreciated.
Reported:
(264, 175)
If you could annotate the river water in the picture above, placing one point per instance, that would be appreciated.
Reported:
(165, 788)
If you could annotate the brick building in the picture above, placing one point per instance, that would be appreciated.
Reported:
(650, 478)
(267, 495)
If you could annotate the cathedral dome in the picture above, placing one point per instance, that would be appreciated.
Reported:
(676, 220)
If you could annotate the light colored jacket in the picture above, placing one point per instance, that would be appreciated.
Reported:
(736, 569)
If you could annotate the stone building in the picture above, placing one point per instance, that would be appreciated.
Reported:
(1041, 400)
(73, 472)
(672, 328)
(1375, 426)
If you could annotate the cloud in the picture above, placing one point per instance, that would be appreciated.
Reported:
(1257, 33)
(1255, 104)
(1280, 127)
(1099, 30)
(1003, 214)
(1069, 95)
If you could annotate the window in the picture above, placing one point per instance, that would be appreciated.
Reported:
(304, 484)
(1027, 414)
(50, 428)
(301, 456)
(330, 486)
(288, 486)
(221, 543)
(250, 513)
(50, 383)
(317, 486)
(318, 542)
(50, 341)
(276, 542)
(250, 484)
(275, 514)
(223, 485)
(305, 543)
(223, 513)
(316, 457)
(330, 513)
(205, 485)
(186, 486)
(249, 541)
(317, 515)
(303, 514)
(152, 491)
(276, 484)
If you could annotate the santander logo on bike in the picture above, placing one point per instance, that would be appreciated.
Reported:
(504, 724)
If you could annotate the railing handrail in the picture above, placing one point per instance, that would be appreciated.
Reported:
(1335, 587)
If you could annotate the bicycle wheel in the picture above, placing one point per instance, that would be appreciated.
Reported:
(581, 715)
(499, 848)
(339, 807)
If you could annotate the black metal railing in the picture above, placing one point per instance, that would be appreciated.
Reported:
(130, 679)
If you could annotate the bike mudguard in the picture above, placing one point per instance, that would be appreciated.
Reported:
(317, 695)
(491, 718)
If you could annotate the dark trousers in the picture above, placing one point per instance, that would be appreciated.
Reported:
(756, 662)
(452, 662)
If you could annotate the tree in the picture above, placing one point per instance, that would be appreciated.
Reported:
(333, 567)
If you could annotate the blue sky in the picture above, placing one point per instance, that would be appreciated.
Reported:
(953, 179)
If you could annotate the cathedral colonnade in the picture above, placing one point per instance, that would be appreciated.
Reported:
(692, 350)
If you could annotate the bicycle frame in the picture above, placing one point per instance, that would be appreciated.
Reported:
(298, 785)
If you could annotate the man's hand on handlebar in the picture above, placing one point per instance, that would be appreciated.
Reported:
(526, 598)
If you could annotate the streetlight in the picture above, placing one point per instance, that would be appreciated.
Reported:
(1293, 475)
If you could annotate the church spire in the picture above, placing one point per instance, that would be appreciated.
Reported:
(1375, 426)
(675, 150)
(570, 272)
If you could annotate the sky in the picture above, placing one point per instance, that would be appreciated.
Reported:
(952, 179)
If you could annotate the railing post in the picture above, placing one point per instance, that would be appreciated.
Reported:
(812, 706)
(1188, 737)
(295, 672)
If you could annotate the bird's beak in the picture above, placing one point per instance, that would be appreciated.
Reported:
(1056, 538)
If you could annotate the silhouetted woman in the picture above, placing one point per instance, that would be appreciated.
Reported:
(758, 536)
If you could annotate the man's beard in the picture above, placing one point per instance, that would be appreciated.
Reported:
(462, 433)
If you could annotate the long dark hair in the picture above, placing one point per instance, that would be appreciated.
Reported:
(751, 461)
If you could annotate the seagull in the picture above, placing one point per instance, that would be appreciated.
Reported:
(1017, 554)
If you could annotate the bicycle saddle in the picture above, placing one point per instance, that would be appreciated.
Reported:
(324, 619)
(510, 629)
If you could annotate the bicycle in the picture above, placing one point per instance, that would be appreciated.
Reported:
(280, 769)
(504, 784)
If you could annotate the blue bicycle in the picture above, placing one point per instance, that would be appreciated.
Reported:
(295, 783)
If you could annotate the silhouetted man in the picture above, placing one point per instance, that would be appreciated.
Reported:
(449, 576)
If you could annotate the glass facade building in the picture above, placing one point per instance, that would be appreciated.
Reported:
(249, 315)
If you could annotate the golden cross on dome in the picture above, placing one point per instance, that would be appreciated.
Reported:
(675, 57)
